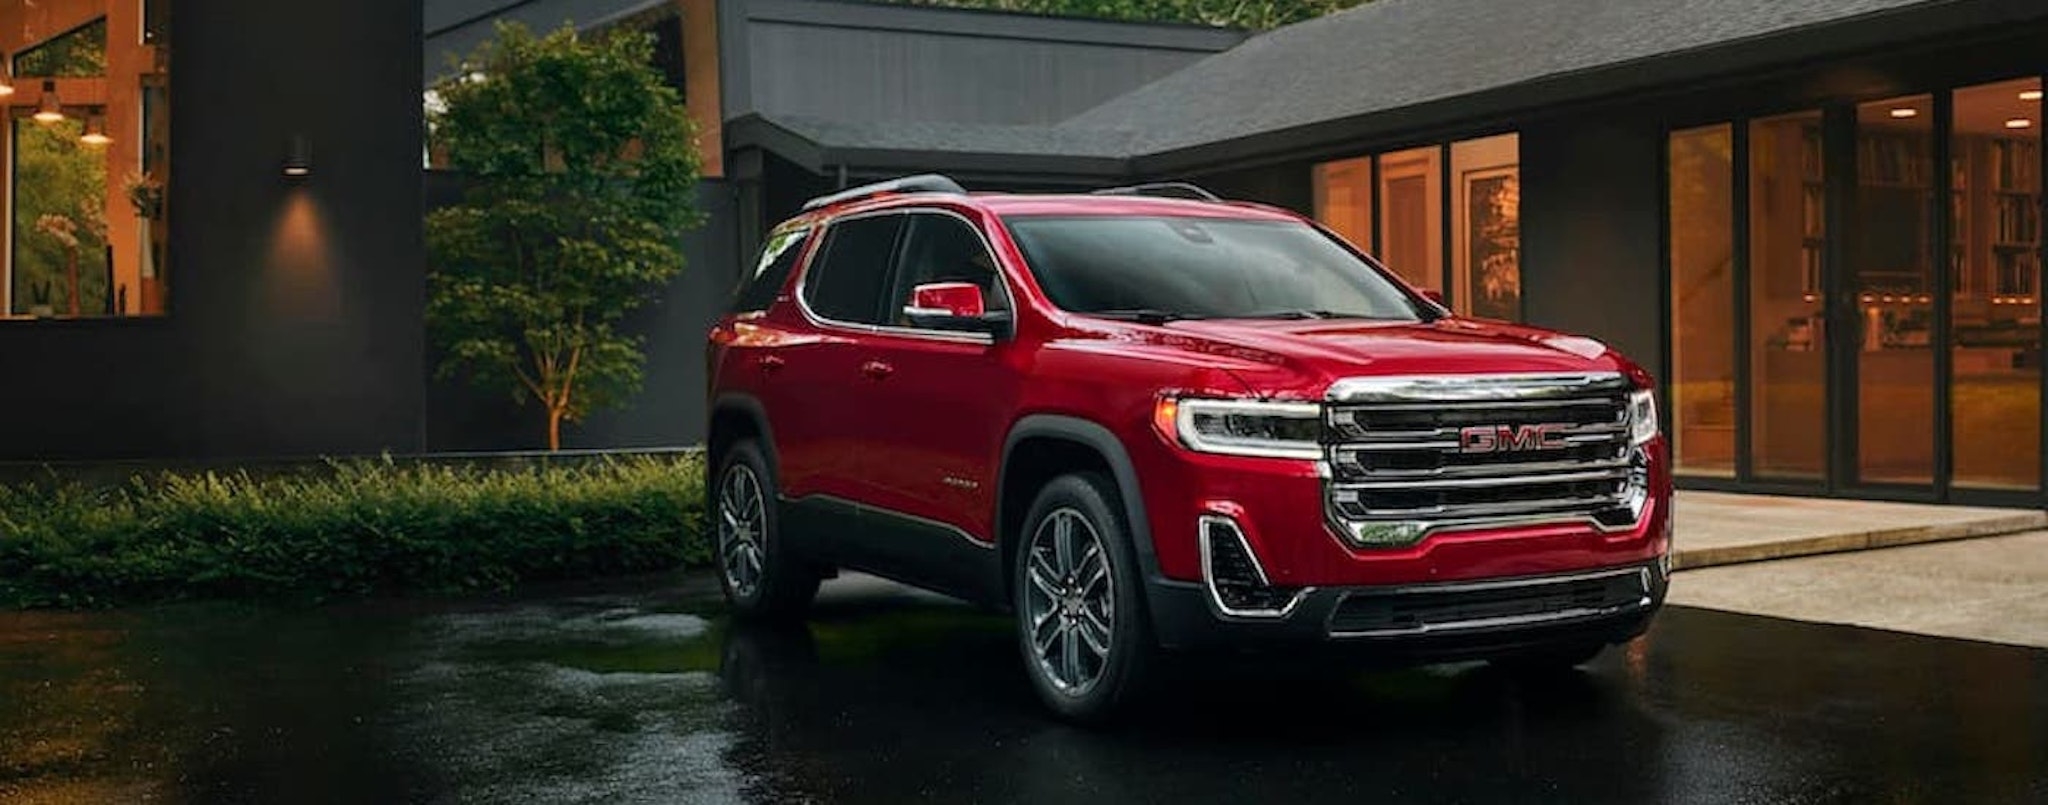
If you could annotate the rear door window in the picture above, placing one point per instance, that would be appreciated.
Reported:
(849, 280)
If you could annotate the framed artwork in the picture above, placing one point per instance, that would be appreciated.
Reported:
(1493, 242)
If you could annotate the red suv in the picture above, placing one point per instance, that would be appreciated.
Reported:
(1147, 420)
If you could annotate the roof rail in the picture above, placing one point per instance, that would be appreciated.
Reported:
(1163, 190)
(921, 183)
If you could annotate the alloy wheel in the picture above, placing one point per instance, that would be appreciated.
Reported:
(1070, 601)
(742, 517)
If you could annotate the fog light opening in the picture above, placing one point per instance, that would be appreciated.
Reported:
(1237, 584)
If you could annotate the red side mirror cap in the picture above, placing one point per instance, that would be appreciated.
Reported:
(953, 299)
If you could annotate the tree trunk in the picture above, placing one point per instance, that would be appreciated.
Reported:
(555, 429)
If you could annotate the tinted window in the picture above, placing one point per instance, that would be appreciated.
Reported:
(941, 248)
(778, 258)
(1203, 268)
(851, 276)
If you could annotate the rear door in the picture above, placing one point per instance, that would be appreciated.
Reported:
(822, 412)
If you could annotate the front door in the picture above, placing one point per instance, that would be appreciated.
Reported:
(942, 400)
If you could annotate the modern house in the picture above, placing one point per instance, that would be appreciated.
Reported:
(1818, 222)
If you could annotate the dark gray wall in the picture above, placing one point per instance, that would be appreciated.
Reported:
(863, 62)
(1591, 230)
(295, 306)
(669, 411)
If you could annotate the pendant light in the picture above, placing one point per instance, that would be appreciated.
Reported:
(49, 109)
(95, 131)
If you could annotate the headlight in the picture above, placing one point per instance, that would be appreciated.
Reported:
(1642, 417)
(1245, 427)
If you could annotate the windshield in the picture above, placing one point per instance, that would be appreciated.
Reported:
(1170, 268)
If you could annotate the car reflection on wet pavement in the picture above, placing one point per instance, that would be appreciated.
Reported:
(642, 692)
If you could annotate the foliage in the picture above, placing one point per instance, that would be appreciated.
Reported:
(352, 528)
(60, 191)
(580, 174)
(1253, 14)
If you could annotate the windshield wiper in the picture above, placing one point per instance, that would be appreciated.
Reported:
(1301, 313)
(1143, 315)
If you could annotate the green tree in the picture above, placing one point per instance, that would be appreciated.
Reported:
(580, 175)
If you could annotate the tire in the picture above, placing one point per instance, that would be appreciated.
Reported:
(1082, 628)
(1549, 660)
(760, 578)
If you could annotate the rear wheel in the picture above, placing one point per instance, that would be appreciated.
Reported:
(1081, 620)
(760, 578)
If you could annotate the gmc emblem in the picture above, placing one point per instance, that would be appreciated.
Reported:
(1511, 438)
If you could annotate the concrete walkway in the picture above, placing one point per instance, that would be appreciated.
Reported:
(1720, 529)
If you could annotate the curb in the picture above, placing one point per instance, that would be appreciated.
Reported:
(1859, 541)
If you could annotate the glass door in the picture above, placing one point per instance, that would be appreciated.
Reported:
(1889, 292)
(1995, 259)
(1788, 339)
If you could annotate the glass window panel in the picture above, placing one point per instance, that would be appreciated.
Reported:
(60, 224)
(1344, 200)
(1702, 226)
(1995, 264)
(89, 149)
(1787, 340)
(77, 53)
(1891, 271)
(1411, 215)
(1488, 237)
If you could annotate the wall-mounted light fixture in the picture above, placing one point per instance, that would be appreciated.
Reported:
(6, 75)
(2030, 95)
(2019, 123)
(49, 109)
(298, 159)
(95, 131)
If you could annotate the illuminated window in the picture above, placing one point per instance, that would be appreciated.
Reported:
(88, 149)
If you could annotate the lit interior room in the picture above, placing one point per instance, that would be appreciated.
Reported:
(87, 157)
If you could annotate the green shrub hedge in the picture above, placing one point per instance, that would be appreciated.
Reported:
(346, 529)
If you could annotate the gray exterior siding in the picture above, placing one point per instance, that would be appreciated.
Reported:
(1592, 253)
(856, 62)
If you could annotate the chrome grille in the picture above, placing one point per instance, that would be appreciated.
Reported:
(1411, 455)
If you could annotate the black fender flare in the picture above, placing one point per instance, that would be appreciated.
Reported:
(1104, 443)
(748, 406)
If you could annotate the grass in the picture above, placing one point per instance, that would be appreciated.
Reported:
(347, 529)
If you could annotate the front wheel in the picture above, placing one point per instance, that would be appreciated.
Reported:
(760, 577)
(1081, 619)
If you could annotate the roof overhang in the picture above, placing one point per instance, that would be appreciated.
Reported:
(821, 154)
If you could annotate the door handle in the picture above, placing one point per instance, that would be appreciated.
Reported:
(877, 370)
(770, 364)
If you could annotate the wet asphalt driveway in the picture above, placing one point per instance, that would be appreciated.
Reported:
(641, 692)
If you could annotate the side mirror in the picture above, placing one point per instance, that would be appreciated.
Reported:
(954, 306)
(959, 299)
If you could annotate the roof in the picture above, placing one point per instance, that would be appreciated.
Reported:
(453, 29)
(1396, 54)
(973, 149)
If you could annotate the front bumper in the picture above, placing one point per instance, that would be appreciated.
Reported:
(1434, 622)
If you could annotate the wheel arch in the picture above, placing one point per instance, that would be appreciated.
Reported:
(734, 418)
(1044, 446)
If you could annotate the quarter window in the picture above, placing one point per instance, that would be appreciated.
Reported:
(778, 259)
(850, 277)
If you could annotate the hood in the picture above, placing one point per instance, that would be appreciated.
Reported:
(1301, 358)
